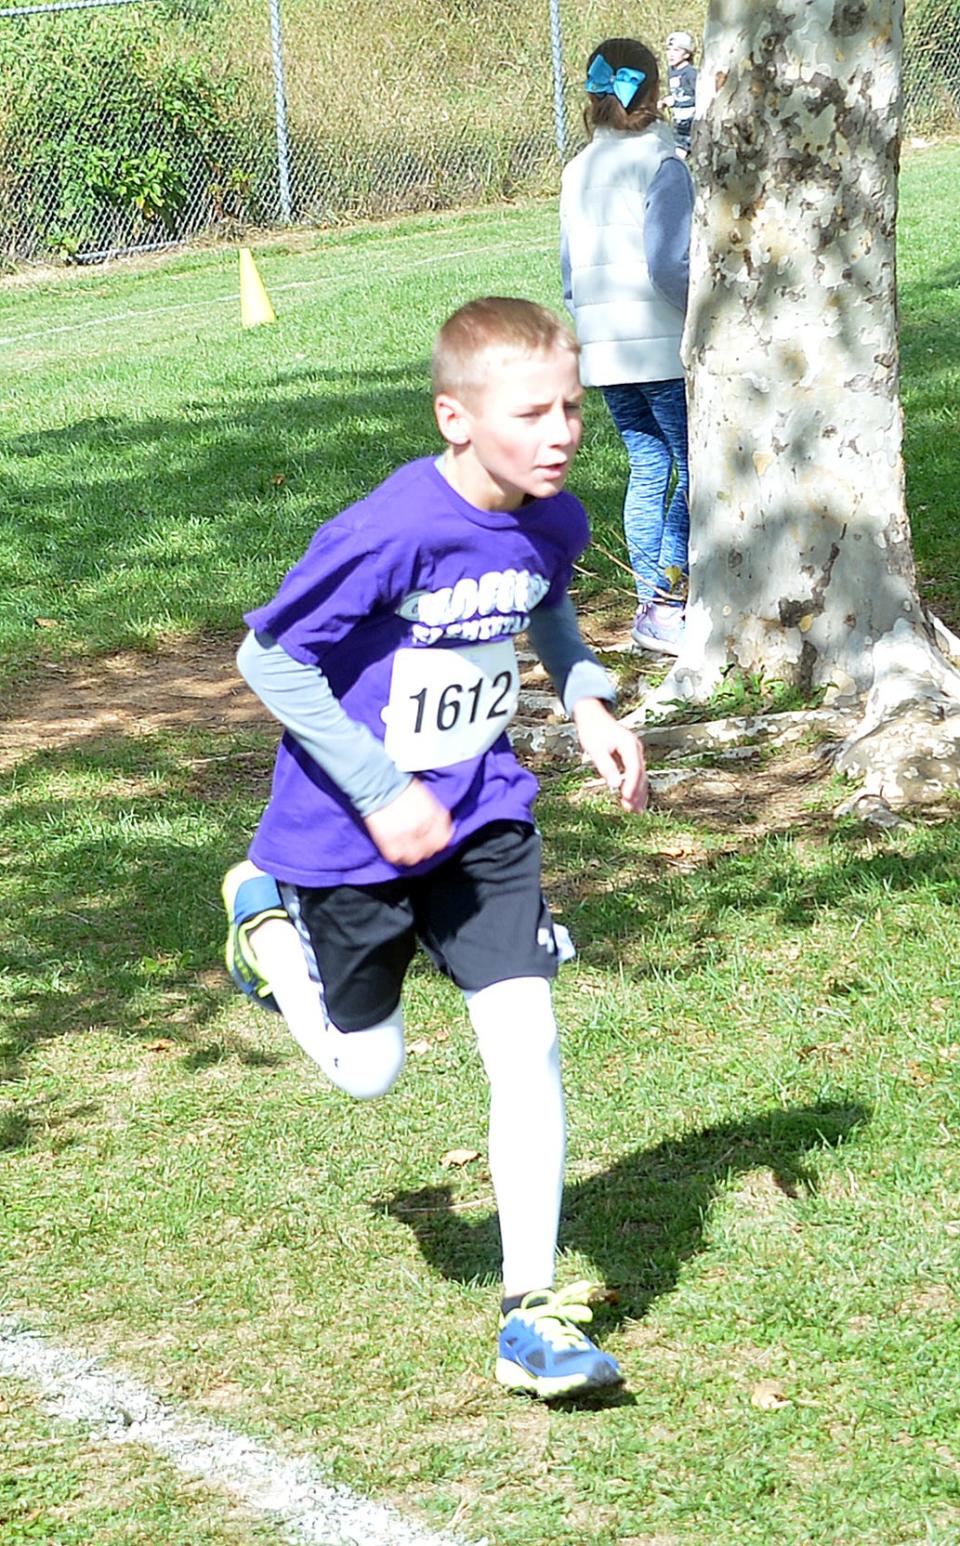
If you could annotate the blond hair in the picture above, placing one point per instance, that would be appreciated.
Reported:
(494, 323)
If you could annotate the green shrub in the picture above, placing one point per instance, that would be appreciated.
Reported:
(107, 138)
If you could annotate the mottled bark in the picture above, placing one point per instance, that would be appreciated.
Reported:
(801, 554)
(801, 559)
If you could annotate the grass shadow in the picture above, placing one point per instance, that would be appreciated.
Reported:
(645, 1216)
(622, 901)
(119, 924)
(217, 1052)
(18, 1127)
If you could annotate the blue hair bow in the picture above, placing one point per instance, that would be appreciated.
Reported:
(603, 82)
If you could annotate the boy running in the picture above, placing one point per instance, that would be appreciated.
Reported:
(399, 812)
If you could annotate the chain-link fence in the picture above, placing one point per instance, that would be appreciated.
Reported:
(931, 67)
(119, 132)
(127, 124)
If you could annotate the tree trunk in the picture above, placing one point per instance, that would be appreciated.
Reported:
(801, 561)
(800, 545)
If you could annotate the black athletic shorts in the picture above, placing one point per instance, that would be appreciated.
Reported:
(480, 916)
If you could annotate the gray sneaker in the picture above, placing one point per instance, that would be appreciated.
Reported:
(658, 627)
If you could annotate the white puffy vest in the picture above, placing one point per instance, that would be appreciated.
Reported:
(627, 330)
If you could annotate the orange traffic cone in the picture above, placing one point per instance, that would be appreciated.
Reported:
(254, 301)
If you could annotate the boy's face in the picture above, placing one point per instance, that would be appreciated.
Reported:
(676, 55)
(515, 437)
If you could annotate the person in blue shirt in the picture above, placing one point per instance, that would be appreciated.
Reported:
(681, 88)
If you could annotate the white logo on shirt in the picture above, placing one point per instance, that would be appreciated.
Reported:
(472, 609)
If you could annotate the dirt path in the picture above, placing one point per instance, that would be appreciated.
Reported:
(196, 686)
(128, 694)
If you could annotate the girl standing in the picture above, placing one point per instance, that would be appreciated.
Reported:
(625, 208)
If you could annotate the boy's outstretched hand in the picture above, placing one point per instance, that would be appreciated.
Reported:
(614, 751)
(412, 827)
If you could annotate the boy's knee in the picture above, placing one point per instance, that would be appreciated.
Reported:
(367, 1063)
(514, 1020)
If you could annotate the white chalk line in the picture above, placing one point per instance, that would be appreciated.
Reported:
(232, 299)
(308, 1510)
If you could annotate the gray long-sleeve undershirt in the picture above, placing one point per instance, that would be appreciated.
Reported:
(301, 698)
(573, 669)
(666, 231)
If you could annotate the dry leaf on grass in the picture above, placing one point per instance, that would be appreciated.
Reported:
(917, 1074)
(416, 1047)
(769, 1396)
(827, 1049)
(162, 1044)
(459, 1157)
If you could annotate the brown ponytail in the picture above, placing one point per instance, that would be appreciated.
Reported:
(608, 111)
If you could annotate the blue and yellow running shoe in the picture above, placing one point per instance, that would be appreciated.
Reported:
(543, 1351)
(250, 897)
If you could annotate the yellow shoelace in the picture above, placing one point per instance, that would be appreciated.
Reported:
(559, 1314)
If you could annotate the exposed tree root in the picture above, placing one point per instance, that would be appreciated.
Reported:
(899, 745)
(906, 749)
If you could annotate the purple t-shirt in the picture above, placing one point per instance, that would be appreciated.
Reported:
(408, 602)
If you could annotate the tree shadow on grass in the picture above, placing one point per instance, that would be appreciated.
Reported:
(217, 1052)
(18, 1127)
(622, 901)
(645, 1216)
(120, 926)
(114, 887)
(126, 545)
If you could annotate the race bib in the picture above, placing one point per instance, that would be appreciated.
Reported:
(448, 705)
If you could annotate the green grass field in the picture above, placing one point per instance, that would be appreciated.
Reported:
(761, 1031)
